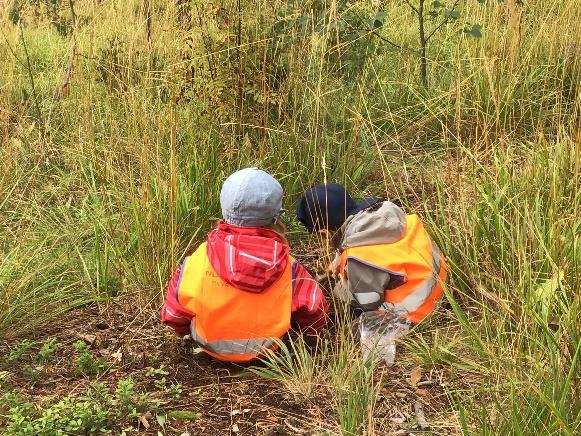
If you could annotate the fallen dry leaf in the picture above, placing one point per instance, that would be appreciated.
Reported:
(143, 420)
(239, 412)
(118, 356)
(422, 392)
(89, 339)
(415, 376)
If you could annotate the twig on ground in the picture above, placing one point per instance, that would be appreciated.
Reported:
(420, 417)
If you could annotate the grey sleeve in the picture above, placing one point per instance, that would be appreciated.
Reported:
(366, 283)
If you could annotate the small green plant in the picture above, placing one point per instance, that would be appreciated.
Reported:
(125, 395)
(46, 352)
(156, 372)
(19, 350)
(86, 364)
(12, 399)
(84, 414)
(160, 383)
(130, 403)
(176, 390)
(33, 374)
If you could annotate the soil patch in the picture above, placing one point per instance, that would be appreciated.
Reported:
(215, 398)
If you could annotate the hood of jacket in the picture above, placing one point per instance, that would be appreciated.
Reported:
(248, 258)
(382, 223)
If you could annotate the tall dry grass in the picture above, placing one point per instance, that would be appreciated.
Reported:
(110, 169)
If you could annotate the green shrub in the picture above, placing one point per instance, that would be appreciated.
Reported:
(89, 413)
(69, 416)
(86, 364)
(32, 374)
(130, 403)
(46, 352)
(19, 350)
(176, 390)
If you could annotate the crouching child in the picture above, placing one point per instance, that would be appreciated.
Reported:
(385, 260)
(241, 290)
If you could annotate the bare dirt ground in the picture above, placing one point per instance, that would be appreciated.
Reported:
(218, 398)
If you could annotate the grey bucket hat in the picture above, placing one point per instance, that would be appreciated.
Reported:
(251, 198)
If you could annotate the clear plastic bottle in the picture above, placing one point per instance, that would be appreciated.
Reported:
(378, 331)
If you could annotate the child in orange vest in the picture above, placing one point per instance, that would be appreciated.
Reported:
(385, 260)
(241, 290)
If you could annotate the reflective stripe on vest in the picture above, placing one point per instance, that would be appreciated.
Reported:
(253, 346)
(229, 323)
(414, 300)
(415, 260)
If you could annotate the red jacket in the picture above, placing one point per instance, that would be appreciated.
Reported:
(252, 258)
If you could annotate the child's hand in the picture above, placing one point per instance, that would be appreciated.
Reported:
(335, 265)
(330, 272)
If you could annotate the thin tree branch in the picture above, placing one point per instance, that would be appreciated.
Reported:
(412, 6)
(62, 89)
(423, 46)
(11, 49)
(383, 38)
(32, 84)
(374, 32)
(444, 21)
(72, 8)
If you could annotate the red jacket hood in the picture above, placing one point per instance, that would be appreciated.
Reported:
(248, 258)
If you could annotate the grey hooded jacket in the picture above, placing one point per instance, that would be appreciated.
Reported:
(382, 223)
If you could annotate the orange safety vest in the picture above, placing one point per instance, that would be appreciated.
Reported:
(414, 259)
(231, 324)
